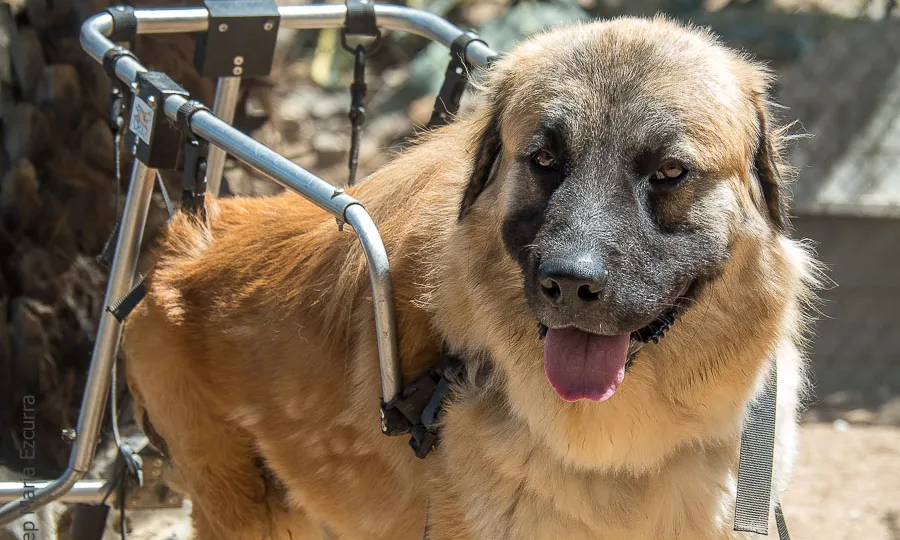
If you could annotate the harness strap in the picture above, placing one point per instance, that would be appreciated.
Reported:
(125, 305)
(754, 485)
(360, 19)
(455, 80)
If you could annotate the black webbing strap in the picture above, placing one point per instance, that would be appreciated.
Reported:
(125, 305)
(124, 23)
(455, 80)
(780, 523)
(360, 20)
(754, 484)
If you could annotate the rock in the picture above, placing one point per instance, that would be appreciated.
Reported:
(60, 88)
(25, 132)
(7, 30)
(19, 199)
(97, 88)
(45, 14)
(97, 145)
(330, 148)
(841, 425)
(30, 342)
(27, 60)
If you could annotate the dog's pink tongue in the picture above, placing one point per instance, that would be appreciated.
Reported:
(580, 365)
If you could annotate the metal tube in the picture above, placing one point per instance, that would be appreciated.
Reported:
(121, 277)
(90, 416)
(382, 297)
(83, 491)
(226, 99)
(331, 199)
(171, 20)
(390, 17)
(264, 160)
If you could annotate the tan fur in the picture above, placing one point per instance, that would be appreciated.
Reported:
(256, 340)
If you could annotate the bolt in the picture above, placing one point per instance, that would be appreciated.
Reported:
(337, 191)
(69, 434)
(223, 27)
(238, 60)
(237, 70)
(268, 26)
(152, 101)
(134, 148)
(459, 71)
(134, 85)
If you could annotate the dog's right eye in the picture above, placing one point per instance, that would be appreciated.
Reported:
(544, 159)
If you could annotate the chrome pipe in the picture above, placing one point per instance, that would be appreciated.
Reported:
(291, 176)
(83, 491)
(224, 105)
(382, 298)
(263, 159)
(217, 131)
(106, 345)
(389, 17)
(172, 20)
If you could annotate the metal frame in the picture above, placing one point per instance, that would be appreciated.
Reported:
(214, 127)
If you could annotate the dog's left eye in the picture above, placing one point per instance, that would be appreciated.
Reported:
(543, 159)
(672, 170)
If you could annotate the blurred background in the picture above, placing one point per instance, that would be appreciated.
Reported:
(837, 64)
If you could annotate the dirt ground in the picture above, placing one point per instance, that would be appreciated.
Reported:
(847, 484)
(846, 487)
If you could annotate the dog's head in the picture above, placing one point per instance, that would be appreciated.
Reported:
(620, 164)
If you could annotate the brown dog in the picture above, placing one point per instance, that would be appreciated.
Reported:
(618, 176)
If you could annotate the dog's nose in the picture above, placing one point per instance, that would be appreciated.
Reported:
(572, 280)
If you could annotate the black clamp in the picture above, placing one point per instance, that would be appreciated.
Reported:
(124, 23)
(118, 108)
(455, 80)
(418, 409)
(240, 39)
(360, 20)
(196, 151)
(152, 139)
(112, 56)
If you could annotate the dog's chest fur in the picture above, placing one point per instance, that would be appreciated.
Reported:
(504, 484)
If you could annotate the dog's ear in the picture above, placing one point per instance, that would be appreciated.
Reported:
(486, 154)
(766, 163)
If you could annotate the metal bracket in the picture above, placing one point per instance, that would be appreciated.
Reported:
(240, 38)
(193, 178)
(152, 139)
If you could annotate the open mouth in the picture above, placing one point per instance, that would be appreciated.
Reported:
(581, 365)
